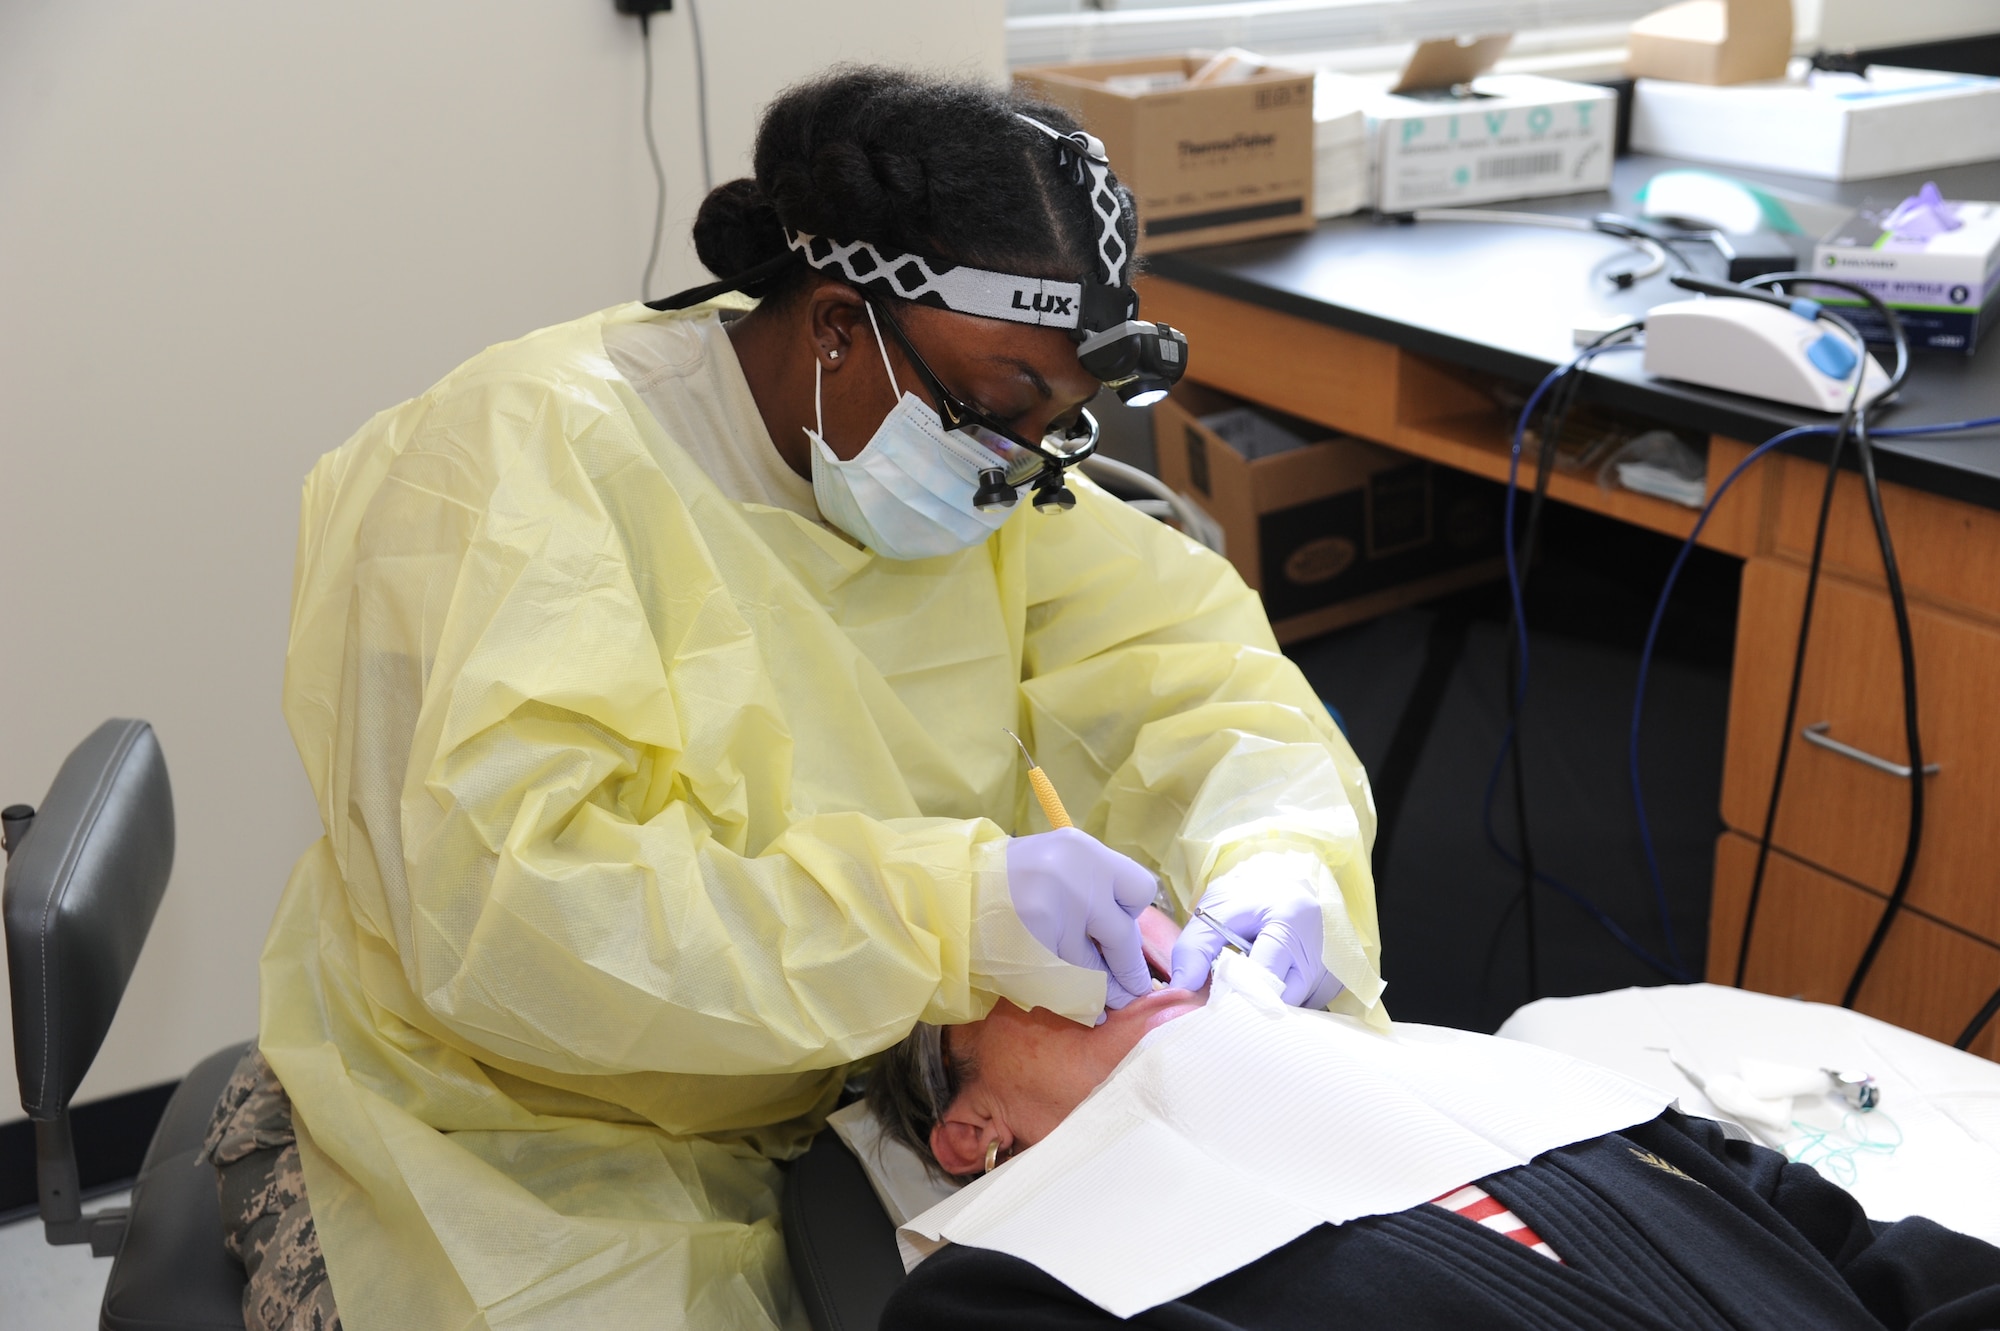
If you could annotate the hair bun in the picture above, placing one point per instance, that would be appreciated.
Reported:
(736, 229)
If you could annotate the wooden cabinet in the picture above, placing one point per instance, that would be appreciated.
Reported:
(1314, 371)
(1841, 824)
(1949, 552)
(1836, 811)
(1811, 929)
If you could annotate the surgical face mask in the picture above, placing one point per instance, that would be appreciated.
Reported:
(908, 493)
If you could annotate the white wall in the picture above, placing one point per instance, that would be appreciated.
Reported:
(231, 230)
(1848, 24)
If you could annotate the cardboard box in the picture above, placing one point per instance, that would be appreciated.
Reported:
(1218, 162)
(1945, 289)
(1712, 41)
(1829, 126)
(1513, 136)
(1342, 181)
(1337, 530)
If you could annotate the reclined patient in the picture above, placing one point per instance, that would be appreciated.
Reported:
(1666, 1223)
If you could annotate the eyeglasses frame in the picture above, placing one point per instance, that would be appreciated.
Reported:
(958, 414)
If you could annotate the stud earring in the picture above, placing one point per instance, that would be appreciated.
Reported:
(834, 354)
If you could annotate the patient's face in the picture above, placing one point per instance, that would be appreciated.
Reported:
(1030, 1069)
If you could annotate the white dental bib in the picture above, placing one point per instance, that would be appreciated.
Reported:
(1233, 1130)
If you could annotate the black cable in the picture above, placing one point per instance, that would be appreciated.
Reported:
(1792, 697)
(1906, 649)
(1524, 896)
(1899, 605)
(1493, 948)
(1555, 417)
(1854, 422)
(1444, 647)
(653, 151)
(701, 96)
(1978, 1023)
(1913, 741)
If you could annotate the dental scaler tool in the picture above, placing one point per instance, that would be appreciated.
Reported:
(1234, 941)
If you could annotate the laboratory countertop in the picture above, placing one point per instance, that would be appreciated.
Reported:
(1505, 300)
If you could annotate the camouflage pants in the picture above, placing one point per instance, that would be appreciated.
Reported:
(266, 1222)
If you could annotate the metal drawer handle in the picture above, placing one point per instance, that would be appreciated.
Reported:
(1816, 734)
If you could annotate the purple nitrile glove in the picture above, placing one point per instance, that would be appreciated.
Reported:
(1082, 900)
(1268, 902)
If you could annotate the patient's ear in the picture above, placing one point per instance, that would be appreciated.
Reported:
(959, 1143)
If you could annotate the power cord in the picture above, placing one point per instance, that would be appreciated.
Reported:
(1978, 1023)
(1650, 244)
(1554, 420)
(653, 153)
(652, 143)
(1813, 566)
(1854, 423)
(1597, 914)
(701, 94)
(1561, 386)
(1912, 736)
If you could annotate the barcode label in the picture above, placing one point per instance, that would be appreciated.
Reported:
(1524, 164)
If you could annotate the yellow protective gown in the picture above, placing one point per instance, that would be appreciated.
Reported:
(649, 812)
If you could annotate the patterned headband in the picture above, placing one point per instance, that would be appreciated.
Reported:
(1025, 300)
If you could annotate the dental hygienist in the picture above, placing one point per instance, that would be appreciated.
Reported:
(651, 672)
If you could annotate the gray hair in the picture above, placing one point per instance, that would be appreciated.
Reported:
(913, 1084)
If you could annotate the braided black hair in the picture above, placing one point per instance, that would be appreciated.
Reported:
(908, 163)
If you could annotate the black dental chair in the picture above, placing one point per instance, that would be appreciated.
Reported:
(839, 1239)
(85, 873)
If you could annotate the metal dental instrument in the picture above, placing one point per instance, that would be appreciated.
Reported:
(1859, 1089)
(1236, 942)
(1045, 790)
(1052, 806)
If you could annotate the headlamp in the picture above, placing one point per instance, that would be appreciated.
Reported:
(1136, 359)
(1140, 361)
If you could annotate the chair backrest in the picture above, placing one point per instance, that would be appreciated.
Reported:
(840, 1240)
(83, 882)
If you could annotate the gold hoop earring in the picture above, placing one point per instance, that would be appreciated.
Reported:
(992, 1154)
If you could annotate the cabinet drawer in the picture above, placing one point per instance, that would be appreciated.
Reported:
(1838, 812)
(1948, 551)
(1811, 930)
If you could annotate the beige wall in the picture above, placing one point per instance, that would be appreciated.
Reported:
(230, 230)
